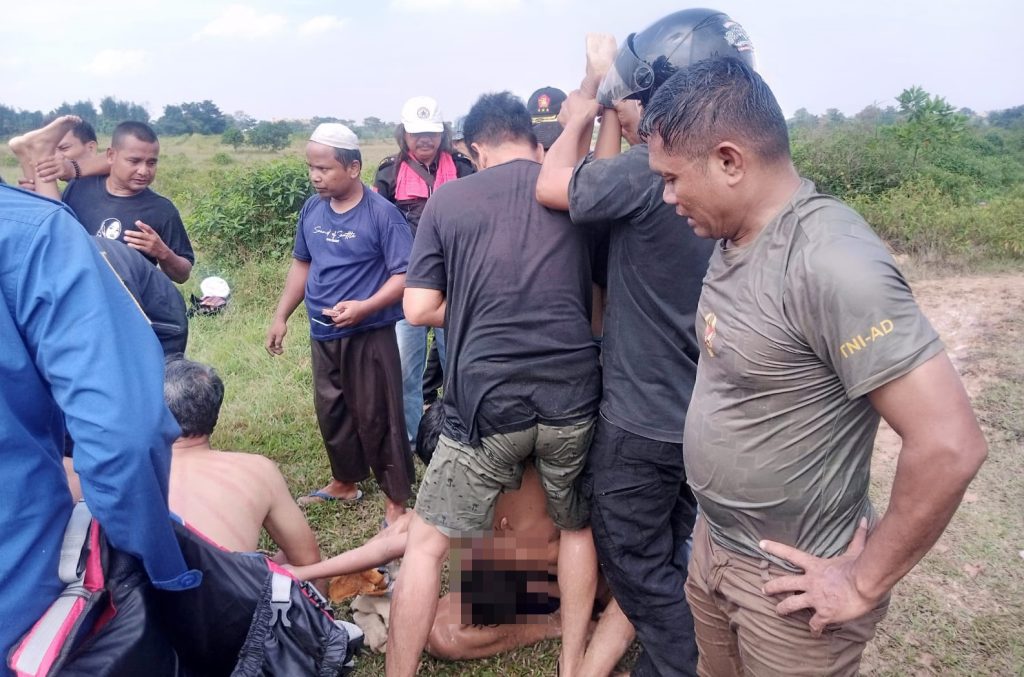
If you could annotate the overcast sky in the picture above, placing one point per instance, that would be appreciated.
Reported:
(351, 60)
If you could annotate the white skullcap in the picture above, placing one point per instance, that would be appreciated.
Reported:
(335, 135)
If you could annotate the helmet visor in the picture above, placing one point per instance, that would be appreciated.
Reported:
(628, 78)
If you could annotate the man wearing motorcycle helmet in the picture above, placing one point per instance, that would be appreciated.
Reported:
(642, 509)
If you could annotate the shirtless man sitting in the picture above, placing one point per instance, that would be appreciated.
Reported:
(227, 496)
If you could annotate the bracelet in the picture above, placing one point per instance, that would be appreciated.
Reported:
(78, 170)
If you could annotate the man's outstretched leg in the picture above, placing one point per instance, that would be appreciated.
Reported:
(414, 603)
(32, 147)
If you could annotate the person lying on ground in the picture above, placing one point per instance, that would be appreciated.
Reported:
(501, 593)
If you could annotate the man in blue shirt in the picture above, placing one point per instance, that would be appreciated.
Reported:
(76, 350)
(351, 251)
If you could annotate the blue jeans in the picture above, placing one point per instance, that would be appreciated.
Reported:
(412, 347)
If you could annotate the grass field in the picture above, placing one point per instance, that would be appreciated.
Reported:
(960, 612)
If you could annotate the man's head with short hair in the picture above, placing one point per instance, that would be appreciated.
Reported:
(135, 129)
(712, 101)
(193, 392)
(718, 138)
(496, 120)
(78, 142)
(133, 155)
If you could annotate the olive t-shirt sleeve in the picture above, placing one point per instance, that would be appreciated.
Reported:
(426, 263)
(610, 189)
(857, 312)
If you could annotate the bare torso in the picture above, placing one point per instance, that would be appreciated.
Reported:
(224, 495)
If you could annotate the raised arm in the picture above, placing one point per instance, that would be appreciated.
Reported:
(578, 114)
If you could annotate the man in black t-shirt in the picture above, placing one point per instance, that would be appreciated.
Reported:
(122, 207)
(643, 512)
(511, 281)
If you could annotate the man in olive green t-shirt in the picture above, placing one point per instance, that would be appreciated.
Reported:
(809, 335)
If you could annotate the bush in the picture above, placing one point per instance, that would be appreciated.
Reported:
(850, 162)
(222, 159)
(270, 135)
(233, 137)
(251, 212)
(921, 218)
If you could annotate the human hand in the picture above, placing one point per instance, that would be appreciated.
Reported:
(26, 183)
(827, 586)
(275, 336)
(578, 107)
(147, 241)
(601, 53)
(55, 167)
(347, 313)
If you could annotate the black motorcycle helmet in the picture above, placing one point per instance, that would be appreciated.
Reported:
(651, 56)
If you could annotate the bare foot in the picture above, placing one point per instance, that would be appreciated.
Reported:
(42, 143)
(19, 147)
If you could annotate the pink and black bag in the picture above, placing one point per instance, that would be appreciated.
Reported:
(249, 617)
(102, 623)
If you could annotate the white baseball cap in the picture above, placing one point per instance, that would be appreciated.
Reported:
(421, 114)
(335, 135)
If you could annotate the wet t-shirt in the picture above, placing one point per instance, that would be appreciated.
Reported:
(796, 328)
(516, 277)
(654, 271)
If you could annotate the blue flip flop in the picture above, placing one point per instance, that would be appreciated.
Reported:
(323, 497)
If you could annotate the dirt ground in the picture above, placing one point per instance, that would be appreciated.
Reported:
(969, 313)
(977, 318)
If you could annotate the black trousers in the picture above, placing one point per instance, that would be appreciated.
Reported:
(357, 394)
(642, 514)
